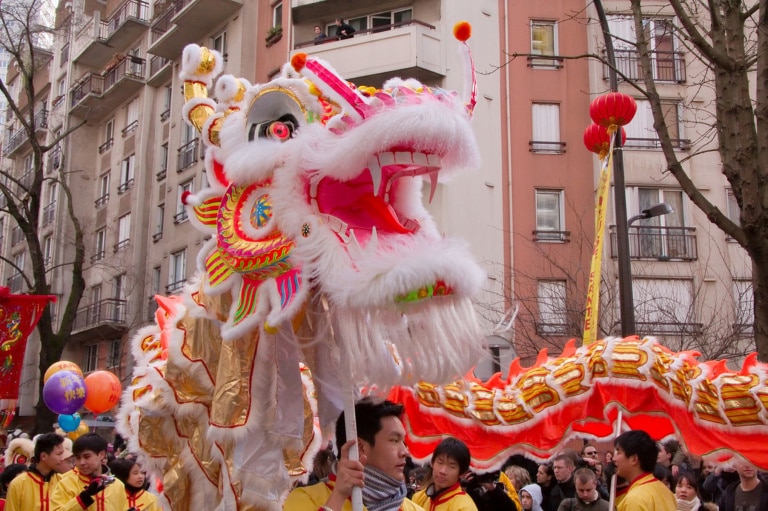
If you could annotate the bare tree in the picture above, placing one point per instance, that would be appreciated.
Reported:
(24, 36)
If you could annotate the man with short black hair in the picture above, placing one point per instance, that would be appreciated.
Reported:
(563, 467)
(635, 459)
(587, 497)
(31, 490)
(450, 461)
(89, 485)
(381, 441)
(749, 493)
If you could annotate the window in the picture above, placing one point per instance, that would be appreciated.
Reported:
(159, 217)
(123, 232)
(376, 22)
(103, 191)
(121, 298)
(661, 237)
(16, 281)
(163, 162)
(49, 210)
(553, 319)
(91, 358)
(2, 231)
(100, 246)
(136, 63)
(219, 43)
(109, 133)
(47, 250)
(277, 14)
(126, 174)
(642, 134)
(181, 210)
(156, 280)
(667, 64)
(131, 117)
(188, 149)
(744, 298)
(177, 271)
(546, 129)
(733, 211)
(663, 306)
(544, 42)
(167, 97)
(115, 353)
(549, 216)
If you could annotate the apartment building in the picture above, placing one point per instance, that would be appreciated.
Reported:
(527, 213)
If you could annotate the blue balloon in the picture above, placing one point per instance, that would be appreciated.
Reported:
(69, 422)
(64, 392)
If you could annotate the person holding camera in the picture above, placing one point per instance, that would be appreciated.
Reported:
(89, 485)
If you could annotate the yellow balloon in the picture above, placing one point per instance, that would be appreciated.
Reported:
(62, 365)
(81, 430)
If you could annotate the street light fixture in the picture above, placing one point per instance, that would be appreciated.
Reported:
(660, 209)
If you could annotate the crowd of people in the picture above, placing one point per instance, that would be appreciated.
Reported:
(85, 475)
(651, 476)
(62, 475)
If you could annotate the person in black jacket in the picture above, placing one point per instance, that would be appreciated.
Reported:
(748, 494)
(565, 488)
(344, 30)
(489, 494)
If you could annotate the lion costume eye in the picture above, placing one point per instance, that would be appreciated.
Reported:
(281, 129)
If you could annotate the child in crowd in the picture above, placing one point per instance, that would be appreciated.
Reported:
(132, 476)
(449, 462)
(530, 497)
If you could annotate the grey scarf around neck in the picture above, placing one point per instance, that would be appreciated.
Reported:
(381, 492)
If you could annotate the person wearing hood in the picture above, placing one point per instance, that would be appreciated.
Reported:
(530, 497)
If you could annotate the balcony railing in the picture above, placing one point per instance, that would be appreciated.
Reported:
(157, 63)
(180, 217)
(161, 175)
(101, 201)
(542, 147)
(546, 329)
(106, 146)
(125, 186)
(100, 84)
(683, 144)
(551, 235)
(668, 328)
(16, 138)
(668, 66)
(99, 255)
(130, 128)
(175, 286)
(661, 243)
(49, 213)
(130, 9)
(162, 23)
(157, 236)
(120, 245)
(110, 310)
(546, 61)
(187, 155)
(374, 30)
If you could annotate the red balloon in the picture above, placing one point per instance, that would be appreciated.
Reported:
(612, 109)
(103, 391)
(597, 139)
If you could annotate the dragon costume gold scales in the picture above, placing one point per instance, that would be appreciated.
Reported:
(321, 252)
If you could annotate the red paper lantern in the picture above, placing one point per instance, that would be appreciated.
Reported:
(597, 139)
(613, 109)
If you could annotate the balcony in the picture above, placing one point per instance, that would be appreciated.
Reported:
(668, 66)
(413, 48)
(185, 22)
(101, 201)
(106, 318)
(681, 144)
(180, 217)
(551, 236)
(98, 256)
(660, 243)
(99, 40)
(540, 147)
(173, 287)
(159, 71)
(18, 140)
(668, 328)
(97, 95)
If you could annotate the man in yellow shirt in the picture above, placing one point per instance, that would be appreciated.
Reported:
(449, 462)
(381, 442)
(31, 490)
(635, 458)
(89, 486)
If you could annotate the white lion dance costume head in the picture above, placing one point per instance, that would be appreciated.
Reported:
(322, 262)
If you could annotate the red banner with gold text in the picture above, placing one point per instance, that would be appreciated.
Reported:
(18, 316)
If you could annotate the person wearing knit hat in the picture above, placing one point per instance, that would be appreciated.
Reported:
(530, 497)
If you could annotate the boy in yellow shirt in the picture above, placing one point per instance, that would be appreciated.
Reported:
(449, 462)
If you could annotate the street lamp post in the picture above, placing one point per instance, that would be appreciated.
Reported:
(627, 306)
(660, 209)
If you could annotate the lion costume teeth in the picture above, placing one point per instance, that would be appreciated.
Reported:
(321, 250)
